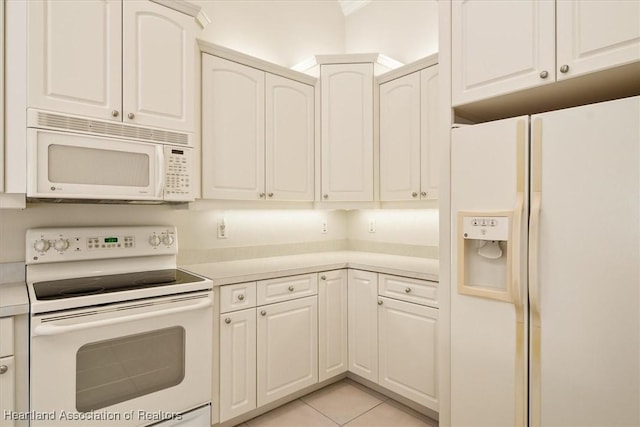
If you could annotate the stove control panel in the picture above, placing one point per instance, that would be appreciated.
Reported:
(45, 245)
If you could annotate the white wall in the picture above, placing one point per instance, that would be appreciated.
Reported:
(285, 32)
(405, 30)
(399, 226)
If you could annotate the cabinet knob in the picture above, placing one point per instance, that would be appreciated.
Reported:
(270, 194)
(227, 320)
(325, 196)
(423, 194)
(323, 277)
(414, 194)
(131, 116)
(115, 113)
(262, 195)
(544, 74)
(3, 369)
(564, 68)
(407, 290)
(263, 313)
(241, 297)
(290, 288)
(379, 302)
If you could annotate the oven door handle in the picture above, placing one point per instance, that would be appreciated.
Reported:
(51, 329)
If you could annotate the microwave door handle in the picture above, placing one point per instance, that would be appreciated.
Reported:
(50, 329)
(160, 167)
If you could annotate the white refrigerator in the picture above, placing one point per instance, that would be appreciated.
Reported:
(545, 290)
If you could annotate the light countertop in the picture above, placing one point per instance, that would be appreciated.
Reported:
(14, 299)
(247, 270)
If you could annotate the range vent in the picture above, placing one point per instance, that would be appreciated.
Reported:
(119, 130)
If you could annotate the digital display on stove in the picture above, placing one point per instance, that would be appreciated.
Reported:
(111, 240)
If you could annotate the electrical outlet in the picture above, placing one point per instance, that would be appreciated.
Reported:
(372, 225)
(223, 232)
(324, 229)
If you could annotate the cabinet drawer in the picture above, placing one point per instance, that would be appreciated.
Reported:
(237, 297)
(411, 290)
(286, 288)
(6, 336)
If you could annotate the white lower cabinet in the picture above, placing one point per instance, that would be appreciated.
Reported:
(363, 324)
(332, 324)
(287, 348)
(237, 363)
(407, 335)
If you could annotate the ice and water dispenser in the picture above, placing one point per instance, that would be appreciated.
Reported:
(484, 254)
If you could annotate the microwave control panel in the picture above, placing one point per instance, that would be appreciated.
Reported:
(178, 163)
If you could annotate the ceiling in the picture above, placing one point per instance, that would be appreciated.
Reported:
(350, 6)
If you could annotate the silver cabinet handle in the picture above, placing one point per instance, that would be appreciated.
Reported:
(263, 313)
(414, 194)
(270, 194)
(131, 116)
(544, 74)
(564, 68)
(3, 369)
(423, 194)
(323, 277)
(407, 290)
(241, 297)
(290, 288)
(115, 113)
(227, 320)
(325, 196)
(379, 302)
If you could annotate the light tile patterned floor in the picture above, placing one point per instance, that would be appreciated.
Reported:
(345, 403)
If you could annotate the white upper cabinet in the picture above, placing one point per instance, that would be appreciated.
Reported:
(232, 130)
(75, 57)
(130, 61)
(595, 35)
(409, 151)
(289, 146)
(159, 55)
(257, 133)
(500, 47)
(347, 132)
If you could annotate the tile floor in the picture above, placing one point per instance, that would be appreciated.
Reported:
(345, 403)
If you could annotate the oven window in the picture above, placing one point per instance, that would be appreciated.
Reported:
(121, 369)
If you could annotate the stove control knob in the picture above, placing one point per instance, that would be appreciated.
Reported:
(61, 245)
(168, 239)
(154, 240)
(42, 245)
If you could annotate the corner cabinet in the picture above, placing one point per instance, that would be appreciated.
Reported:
(409, 143)
(363, 324)
(101, 59)
(547, 41)
(258, 134)
(332, 324)
(347, 131)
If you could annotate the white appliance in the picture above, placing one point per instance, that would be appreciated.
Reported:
(79, 158)
(118, 335)
(545, 295)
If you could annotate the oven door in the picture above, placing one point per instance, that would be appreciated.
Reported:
(129, 364)
(76, 166)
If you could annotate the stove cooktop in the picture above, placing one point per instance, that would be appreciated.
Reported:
(95, 285)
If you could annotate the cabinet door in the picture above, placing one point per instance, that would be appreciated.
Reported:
(500, 47)
(595, 35)
(75, 57)
(400, 138)
(7, 390)
(287, 348)
(430, 139)
(347, 132)
(332, 323)
(407, 350)
(237, 363)
(232, 130)
(289, 135)
(159, 48)
(363, 324)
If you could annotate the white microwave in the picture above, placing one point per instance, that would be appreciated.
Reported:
(85, 166)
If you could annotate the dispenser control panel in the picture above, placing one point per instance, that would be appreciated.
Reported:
(486, 227)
